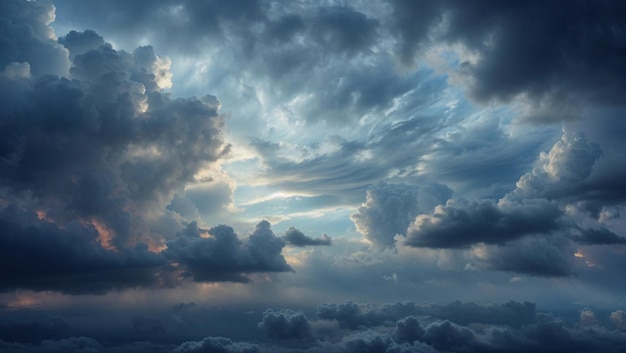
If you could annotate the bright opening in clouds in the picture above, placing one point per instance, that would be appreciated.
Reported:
(312, 176)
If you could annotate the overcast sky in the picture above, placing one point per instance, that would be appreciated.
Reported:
(312, 176)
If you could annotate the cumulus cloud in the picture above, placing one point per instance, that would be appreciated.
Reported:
(296, 238)
(618, 318)
(95, 145)
(91, 152)
(530, 229)
(556, 62)
(390, 208)
(183, 306)
(285, 324)
(28, 38)
(218, 254)
(35, 329)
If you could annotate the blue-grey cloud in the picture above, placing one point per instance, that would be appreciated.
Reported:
(296, 238)
(28, 38)
(453, 226)
(557, 61)
(40, 255)
(221, 256)
(285, 324)
(389, 209)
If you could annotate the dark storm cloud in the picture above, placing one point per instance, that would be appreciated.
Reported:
(183, 306)
(223, 256)
(556, 52)
(578, 171)
(40, 255)
(389, 209)
(511, 327)
(530, 224)
(461, 224)
(285, 324)
(296, 238)
(95, 146)
(396, 146)
(598, 237)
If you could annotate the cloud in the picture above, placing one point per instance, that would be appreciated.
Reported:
(352, 315)
(511, 313)
(461, 224)
(219, 255)
(556, 62)
(147, 327)
(285, 324)
(526, 230)
(91, 160)
(68, 258)
(27, 37)
(408, 330)
(183, 306)
(217, 345)
(34, 330)
(296, 238)
(390, 208)
(93, 148)
(618, 318)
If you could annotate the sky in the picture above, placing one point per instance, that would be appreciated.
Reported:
(252, 176)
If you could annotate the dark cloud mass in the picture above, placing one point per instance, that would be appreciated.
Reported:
(555, 53)
(222, 256)
(90, 160)
(481, 222)
(296, 238)
(217, 345)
